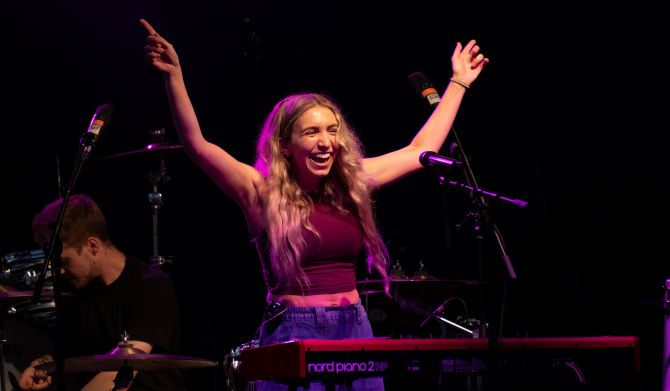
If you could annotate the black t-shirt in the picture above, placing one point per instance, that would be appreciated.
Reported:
(141, 302)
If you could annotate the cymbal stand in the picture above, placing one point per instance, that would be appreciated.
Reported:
(124, 376)
(155, 199)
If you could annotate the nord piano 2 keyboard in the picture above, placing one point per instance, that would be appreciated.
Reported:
(323, 359)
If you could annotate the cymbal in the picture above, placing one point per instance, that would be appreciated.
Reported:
(138, 361)
(16, 295)
(420, 280)
(367, 287)
(148, 149)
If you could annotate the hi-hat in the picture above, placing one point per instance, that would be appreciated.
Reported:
(138, 361)
(149, 149)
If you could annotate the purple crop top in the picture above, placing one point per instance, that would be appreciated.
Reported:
(329, 261)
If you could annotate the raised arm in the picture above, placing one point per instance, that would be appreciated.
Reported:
(467, 63)
(238, 180)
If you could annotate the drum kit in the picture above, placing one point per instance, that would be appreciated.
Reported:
(26, 324)
(27, 341)
(16, 354)
(25, 328)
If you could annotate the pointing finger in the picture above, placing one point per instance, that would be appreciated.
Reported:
(148, 27)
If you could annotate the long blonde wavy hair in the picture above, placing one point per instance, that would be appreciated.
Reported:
(286, 207)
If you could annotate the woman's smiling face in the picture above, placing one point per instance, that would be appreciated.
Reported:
(313, 146)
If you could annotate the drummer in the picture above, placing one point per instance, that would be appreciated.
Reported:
(113, 293)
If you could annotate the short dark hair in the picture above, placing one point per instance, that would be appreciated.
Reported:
(83, 218)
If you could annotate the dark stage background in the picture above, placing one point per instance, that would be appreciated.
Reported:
(567, 116)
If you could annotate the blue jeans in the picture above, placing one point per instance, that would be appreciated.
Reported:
(320, 323)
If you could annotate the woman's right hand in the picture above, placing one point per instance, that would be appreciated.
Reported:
(160, 53)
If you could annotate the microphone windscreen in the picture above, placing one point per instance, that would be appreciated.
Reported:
(420, 82)
(104, 111)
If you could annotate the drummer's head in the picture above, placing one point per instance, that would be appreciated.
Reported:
(83, 234)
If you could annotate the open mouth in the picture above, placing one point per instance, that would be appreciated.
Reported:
(321, 157)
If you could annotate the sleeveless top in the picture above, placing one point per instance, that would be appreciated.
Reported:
(329, 261)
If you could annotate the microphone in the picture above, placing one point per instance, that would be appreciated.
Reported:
(425, 88)
(100, 120)
(432, 159)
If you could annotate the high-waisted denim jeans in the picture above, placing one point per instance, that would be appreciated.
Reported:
(319, 323)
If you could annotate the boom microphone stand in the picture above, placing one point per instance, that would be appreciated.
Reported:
(54, 248)
(480, 223)
(479, 217)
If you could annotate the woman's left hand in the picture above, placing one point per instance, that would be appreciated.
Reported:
(467, 62)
